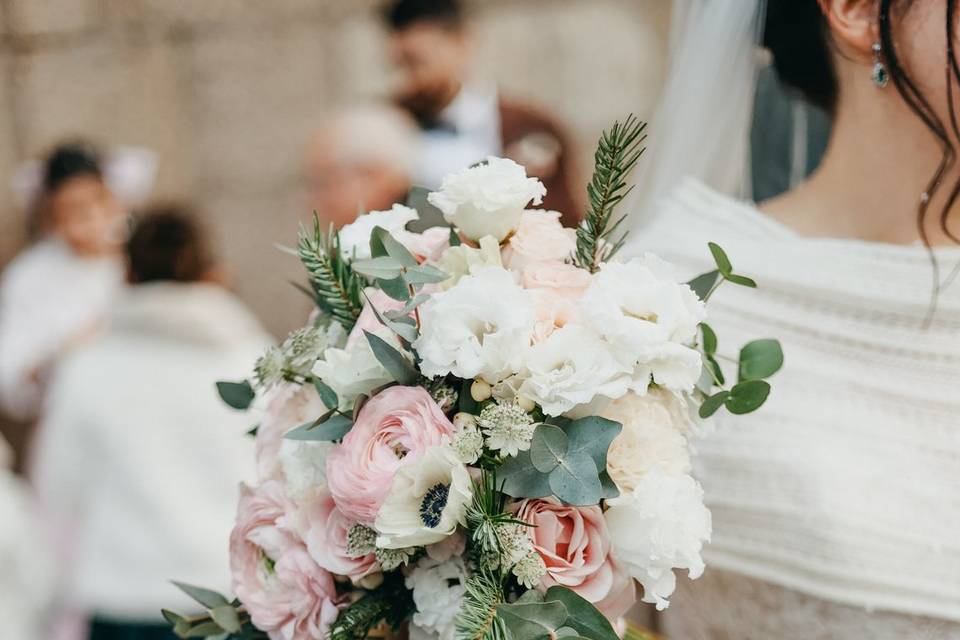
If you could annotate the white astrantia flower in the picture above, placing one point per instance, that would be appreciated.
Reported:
(487, 199)
(468, 445)
(649, 319)
(304, 466)
(269, 368)
(427, 500)
(303, 347)
(508, 428)
(482, 327)
(660, 526)
(573, 367)
(463, 260)
(530, 570)
(437, 590)
(653, 436)
(354, 371)
(355, 237)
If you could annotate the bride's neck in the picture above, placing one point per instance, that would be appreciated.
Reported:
(879, 162)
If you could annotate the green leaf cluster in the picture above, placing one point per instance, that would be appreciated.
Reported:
(390, 603)
(337, 288)
(237, 395)
(758, 360)
(223, 619)
(560, 613)
(567, 459)
(618, 152)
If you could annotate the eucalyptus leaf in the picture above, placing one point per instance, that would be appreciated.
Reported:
(520, 479)
(208, 598)
(171, 617)
(226, 616)
(548, 447)
(382, 268)
(704, 283)
(720, 257)
(204, 630)
(747, 397)
(238, 395)
(327, 395)
(711, 362)
(609, 489)
(454, 238)
(329, 430)
(393, 247)
(709, 339)
(712, 404)
(582, 616)
(591, 435)
(576, 480)
(760, 359)
(392, 360)
(396, 288)
(743, 281)
(425, 274)
(533, 621)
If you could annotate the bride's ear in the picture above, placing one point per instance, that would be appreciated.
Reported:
(853, 26)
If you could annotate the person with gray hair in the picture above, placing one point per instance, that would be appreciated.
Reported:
(360, 160)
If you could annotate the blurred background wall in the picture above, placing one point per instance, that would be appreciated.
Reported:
(227, 91)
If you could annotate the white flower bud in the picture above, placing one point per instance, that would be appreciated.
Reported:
(480, 390)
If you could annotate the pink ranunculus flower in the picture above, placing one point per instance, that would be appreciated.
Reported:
(367, 320)
(288, 595)
(539, 238)
(575, 547)
(393, 428)
(325, 530)
(288, 406)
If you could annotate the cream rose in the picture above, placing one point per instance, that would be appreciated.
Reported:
(539, 238)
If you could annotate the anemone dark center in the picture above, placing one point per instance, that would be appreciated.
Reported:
(431, 507)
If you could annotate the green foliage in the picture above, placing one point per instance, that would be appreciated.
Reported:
(617, 154)
(396, 364)
(336, 286)
(568, 460)
(222, 619)
(760, 359)
(238, 395)
(329, 427)
(477, 618)
(582, 616)
(391, 602)
(484, 514)
(533, 621)
(327, 395)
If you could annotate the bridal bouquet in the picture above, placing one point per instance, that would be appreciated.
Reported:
(484, 432)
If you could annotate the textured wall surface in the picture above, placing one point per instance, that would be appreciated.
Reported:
(226, 91)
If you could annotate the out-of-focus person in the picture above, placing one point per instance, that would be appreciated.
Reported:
(137, 460)
(54, 294)
(464, 120)
(26, 577)
(360, 160)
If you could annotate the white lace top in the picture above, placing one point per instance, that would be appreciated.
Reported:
(846, 486)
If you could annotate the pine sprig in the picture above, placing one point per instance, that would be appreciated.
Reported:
(477, 619)
(337, 290)
(618, 152)
(390, 603)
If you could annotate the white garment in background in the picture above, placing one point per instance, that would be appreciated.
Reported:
(26, 578)
(845, 486)
(468, 131)
(138, 460)
(48, 295)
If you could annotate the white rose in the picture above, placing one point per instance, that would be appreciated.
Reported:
(426, 502)
(354, 371)
(649, 318)
(304, 466)
(481, 327)
(652, 436)
(488, 199)
(660, 526)
(355, 237)
(572, 367)
(463, 260)
(539, 238)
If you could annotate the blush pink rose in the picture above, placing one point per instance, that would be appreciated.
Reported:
(539, 238)
(428, 245)
(575, 547)
(325, 533)
(288, 406)
(393, 428)
(559, 277)
(367, 320)
(287, 594)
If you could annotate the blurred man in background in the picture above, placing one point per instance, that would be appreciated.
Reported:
(462, 121)
(137, 460)
(361, 160)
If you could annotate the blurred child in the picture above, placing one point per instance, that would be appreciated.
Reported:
(137, 459)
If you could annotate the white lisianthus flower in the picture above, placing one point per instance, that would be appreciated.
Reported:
(652, 436)
(660, 526)
(427, 500)
(304, 466)
(649, 318)
(355, 237)
(354, 371)
(488, 199)
(481, 327)
(572, 367)
(438, 590)
(463, 260)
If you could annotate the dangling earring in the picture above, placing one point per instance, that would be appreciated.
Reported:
(880, 75)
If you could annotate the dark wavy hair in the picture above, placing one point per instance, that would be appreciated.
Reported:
(168, 244)
(796, 33)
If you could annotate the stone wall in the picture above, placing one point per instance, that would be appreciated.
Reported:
(226, 91)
